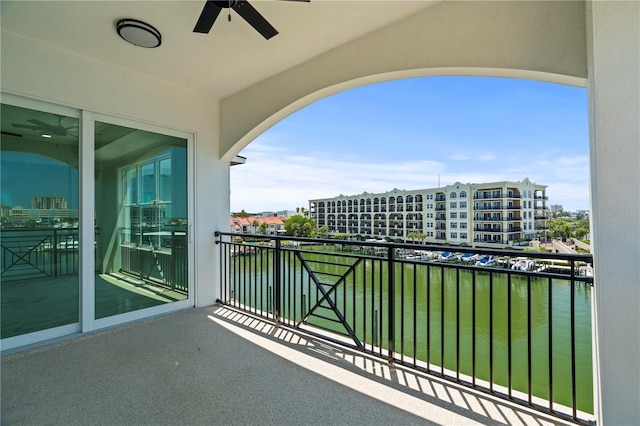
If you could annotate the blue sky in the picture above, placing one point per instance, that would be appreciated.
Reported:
(407, 134)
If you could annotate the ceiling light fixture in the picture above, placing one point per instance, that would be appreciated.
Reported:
(138, 33)
(46, 135)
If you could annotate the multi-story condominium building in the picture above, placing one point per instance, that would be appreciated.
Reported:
(495, 213)
(48, 202)
(555, 208)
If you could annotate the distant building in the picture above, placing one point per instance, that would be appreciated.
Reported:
(584, 213)
(246, 225)
(555, 208)
(276, 213)
(152, 215)
(487, 214)
(46, 210)
(48, 202)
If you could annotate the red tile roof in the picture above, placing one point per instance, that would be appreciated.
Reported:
(239, 222)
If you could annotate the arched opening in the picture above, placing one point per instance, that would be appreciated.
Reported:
(435, 146)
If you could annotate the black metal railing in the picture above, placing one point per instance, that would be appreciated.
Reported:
(512, 323)
(38, 252)
(156, 256)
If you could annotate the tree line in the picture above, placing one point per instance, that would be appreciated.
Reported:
(564, 227)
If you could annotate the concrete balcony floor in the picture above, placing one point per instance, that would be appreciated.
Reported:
(216, 366)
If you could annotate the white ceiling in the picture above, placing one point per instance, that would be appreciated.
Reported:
(231, 57)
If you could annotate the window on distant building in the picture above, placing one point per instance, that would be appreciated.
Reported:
(453, 205)
(463, 194)
(463, 215)
(453, 215)
(453, 195)
(454, 235)
(463, 235)
(463, 204)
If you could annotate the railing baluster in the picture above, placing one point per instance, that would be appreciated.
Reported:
(491, 331)
(529, 361)
(509, 336)
(458, 324)
(550, 322)
(277, 284)
(573, 341)
(364, 302)
(402, 314)
(353, 301)
(55, 252)
(473, 327)
(292, 282)
(442, 286)
(428, 317)
(415, 314)
(374, 329)
(391, 298)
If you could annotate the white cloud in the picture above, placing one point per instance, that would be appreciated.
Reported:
(468, 157)
(276, 178)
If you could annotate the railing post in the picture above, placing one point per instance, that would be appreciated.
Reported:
(55, 252)
(391, 297)
(277, 283)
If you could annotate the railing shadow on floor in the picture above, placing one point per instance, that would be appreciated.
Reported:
(476, 406)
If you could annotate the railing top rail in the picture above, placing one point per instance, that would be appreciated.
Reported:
(587, 258)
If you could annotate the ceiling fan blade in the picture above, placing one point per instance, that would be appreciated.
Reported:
(253, 17)
(208, 16)
(25, 126)
(42, 124)
(17, 135)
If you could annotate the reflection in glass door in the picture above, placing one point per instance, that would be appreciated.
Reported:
(39, 249)
(141, 212)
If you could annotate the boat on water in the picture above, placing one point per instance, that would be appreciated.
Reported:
(426, 255)
(586, 271)
(523, 264)
(69, 245)
(487, 261)
(469, 257)
(447, 255)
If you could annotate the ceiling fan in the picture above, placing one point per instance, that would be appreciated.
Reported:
(46, 128)
(212, 9)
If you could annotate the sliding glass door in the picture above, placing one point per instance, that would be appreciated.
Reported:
(39, 281)
(95, 221)
(141, 212)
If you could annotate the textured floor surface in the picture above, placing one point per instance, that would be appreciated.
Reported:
(215, 366)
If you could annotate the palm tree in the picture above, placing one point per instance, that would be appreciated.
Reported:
(263, 228)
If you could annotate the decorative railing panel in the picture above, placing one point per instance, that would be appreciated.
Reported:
(164, 262)
(38, 252)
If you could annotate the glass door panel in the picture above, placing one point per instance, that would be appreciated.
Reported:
(39, 282)
(141, 212)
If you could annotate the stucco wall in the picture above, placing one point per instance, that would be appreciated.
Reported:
(614, 119)
(538, 40)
